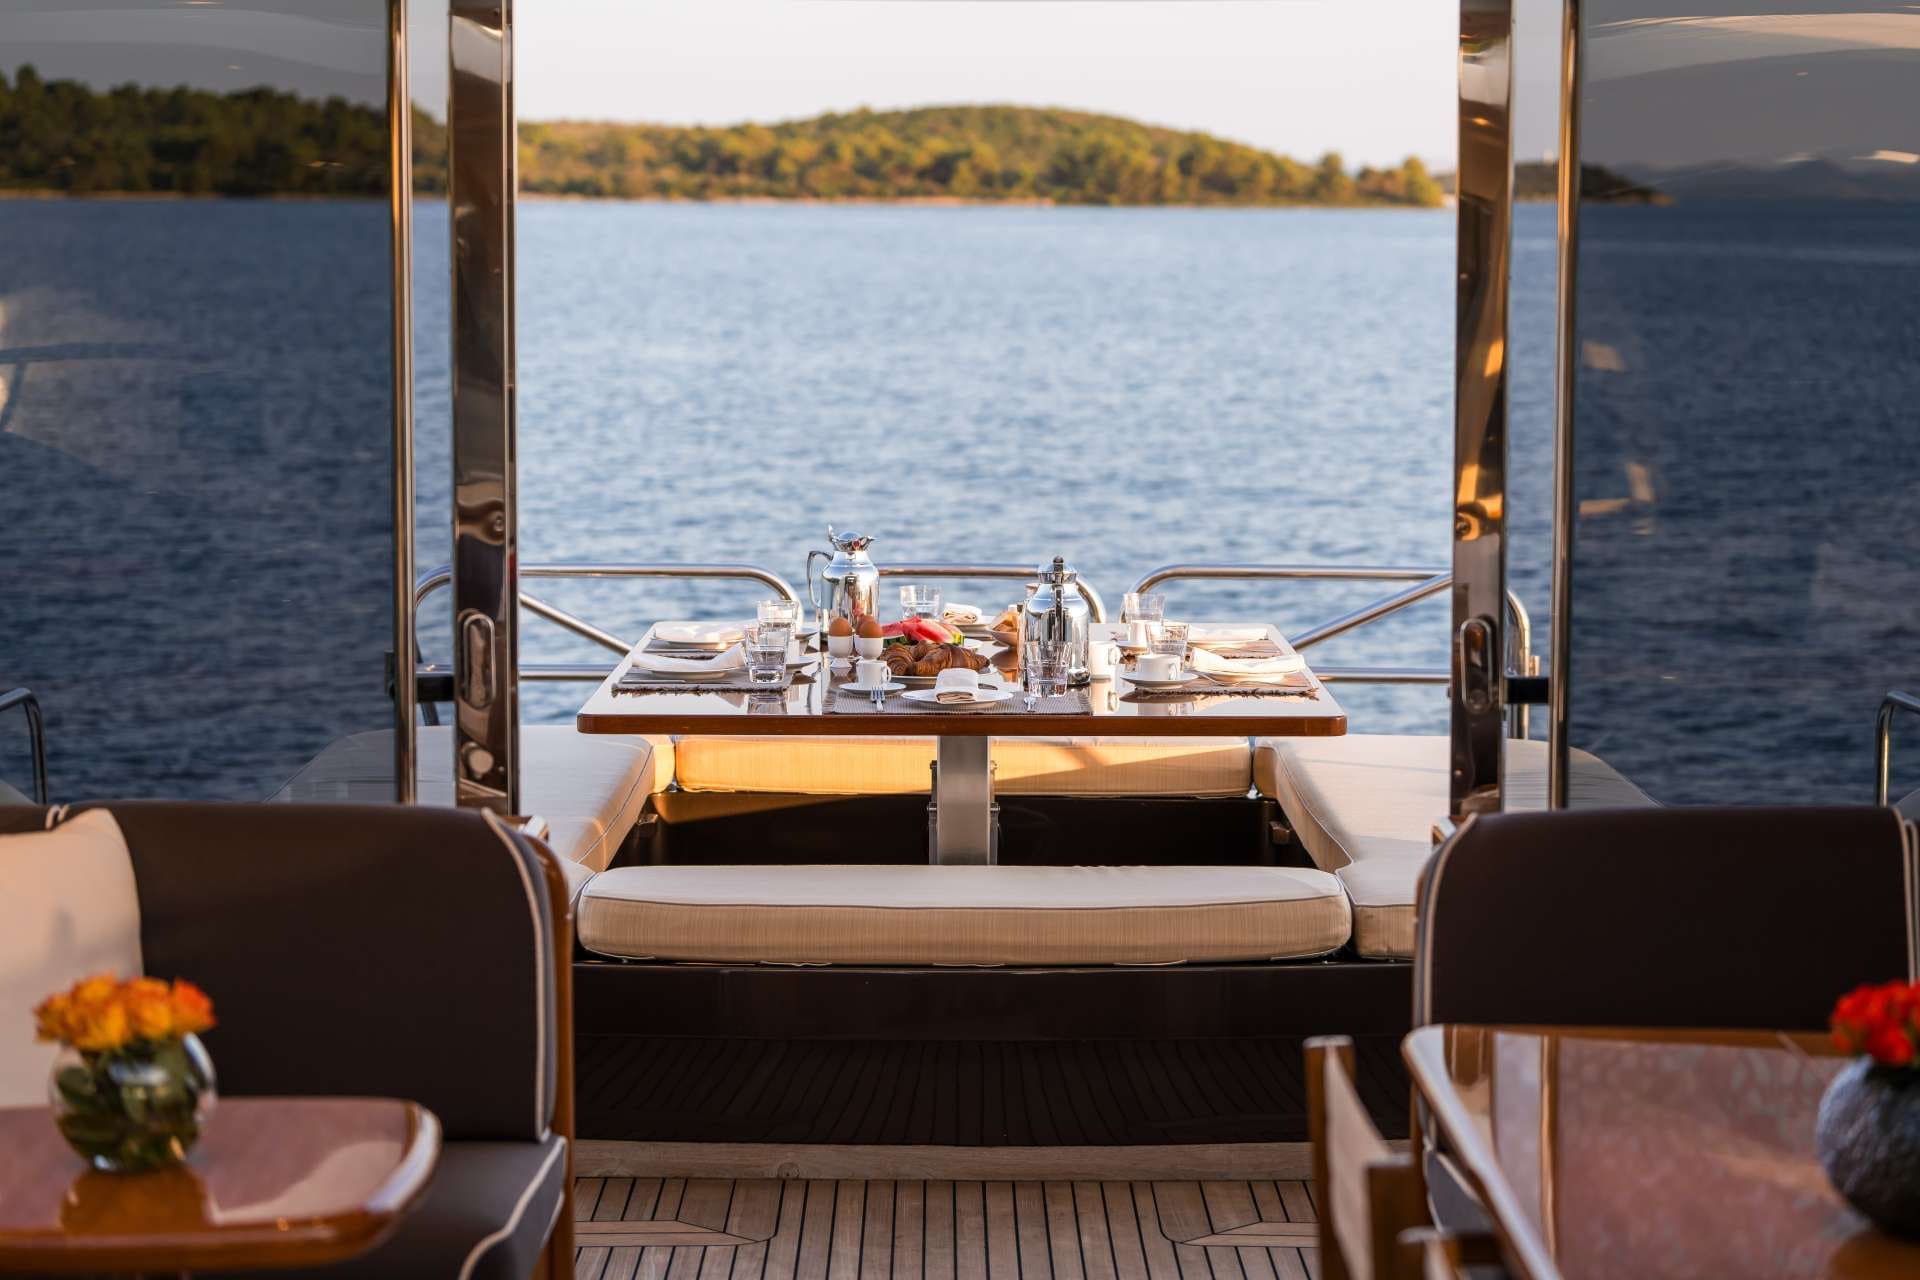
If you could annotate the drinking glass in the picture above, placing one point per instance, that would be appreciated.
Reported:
(1045, 665)
(1171, 638)
(1141, 606)
(920, 602)
(781, 613)
(766, 648)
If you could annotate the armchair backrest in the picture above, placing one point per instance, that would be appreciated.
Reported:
(1707, 917)
(360, 949)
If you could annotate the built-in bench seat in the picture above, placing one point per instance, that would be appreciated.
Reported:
(1173, 767)
(1363, 807)
(589, 788)
(962, 915)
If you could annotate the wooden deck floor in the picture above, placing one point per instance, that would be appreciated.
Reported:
(722, 1229)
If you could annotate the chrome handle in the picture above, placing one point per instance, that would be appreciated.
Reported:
(476, 676)
(1474, 665)
(813, 601)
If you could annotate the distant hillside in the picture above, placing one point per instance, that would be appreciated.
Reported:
(961, 152)
(1539, 180)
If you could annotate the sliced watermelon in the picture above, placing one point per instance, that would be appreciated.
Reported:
(899, 628)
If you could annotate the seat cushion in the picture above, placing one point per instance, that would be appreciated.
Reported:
(70, 908)
(928, 915)
(590, 788)
(1022, 766)
(486, 1216)
(1364, 806)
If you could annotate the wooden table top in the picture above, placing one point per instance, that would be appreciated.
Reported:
(1210, 712)
(1629, 1153)
(273, 1182)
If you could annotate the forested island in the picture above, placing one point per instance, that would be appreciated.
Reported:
(62, 136)
(947, 153)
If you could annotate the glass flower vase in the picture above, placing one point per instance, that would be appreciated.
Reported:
(133, 1108)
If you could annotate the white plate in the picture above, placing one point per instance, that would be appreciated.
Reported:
(989, 695)
(698, 635)
(867, 690)
(1256, 677)
(1180, 681)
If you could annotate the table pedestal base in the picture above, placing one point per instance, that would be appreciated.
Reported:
(963, 828)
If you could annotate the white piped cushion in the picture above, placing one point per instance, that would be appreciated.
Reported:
(1364, 806)
(68, 908)
(933, 915)
(1164, 767)
(591, 788)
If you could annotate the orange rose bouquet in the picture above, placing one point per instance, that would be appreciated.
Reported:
(132, 1082)
(1868, 1131)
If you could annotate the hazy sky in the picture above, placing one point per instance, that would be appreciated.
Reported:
(1373, 79)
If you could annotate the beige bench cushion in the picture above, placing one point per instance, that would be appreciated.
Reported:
(1022, 766)
(1364, 806)
(927, 915)
(590, 788)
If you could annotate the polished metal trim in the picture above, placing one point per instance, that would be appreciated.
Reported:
(963, 802)
(1096, 606)
(481, 182)
(36, 736)
(400, 212)
(1484, 244)
(1560, 659)
(1883, 740)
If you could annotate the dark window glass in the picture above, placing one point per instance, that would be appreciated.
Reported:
(1747, 563)
(195, 388)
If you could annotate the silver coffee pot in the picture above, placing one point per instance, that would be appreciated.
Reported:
(850, 584)
(1057, 611)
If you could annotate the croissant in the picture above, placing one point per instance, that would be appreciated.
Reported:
(899, 659)
(937, 660)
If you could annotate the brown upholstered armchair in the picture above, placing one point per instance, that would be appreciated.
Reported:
(418, 953)
(1685, 917)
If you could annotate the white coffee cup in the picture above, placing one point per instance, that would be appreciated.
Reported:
(1103, 656)
(1157, 666)
(870, 673)
(1139, 635)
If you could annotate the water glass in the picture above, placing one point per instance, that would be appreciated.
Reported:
(1170, 638)
(780, 612)
(1140, 606)
(1045, 663)
(920, 602)
(766, 648)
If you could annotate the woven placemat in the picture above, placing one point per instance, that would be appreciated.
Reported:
(733, 682)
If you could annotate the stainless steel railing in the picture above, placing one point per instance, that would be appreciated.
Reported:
(36, 736)
(1883, 747)
(441, 575)
(1427, 582)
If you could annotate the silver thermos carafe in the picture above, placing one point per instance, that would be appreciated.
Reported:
(850, 584)
(1057, 611)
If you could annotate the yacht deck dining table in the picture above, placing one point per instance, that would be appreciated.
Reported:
(811, 707)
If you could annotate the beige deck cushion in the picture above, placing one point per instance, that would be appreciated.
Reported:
(1022, 766)
(927, 915)
(590, 788)
(1364, 806)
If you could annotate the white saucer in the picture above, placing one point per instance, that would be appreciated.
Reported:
(868, 690)
(988, 695)
(1180, 681)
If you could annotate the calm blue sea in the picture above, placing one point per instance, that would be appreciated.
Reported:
(193, 433)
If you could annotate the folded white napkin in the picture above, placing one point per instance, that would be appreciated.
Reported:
(956, 685)
(730, 659)
(963, 615)
(1214, 664)
(1224, 632)
(713, 633)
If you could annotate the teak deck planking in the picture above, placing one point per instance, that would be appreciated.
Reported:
(797, 1229)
